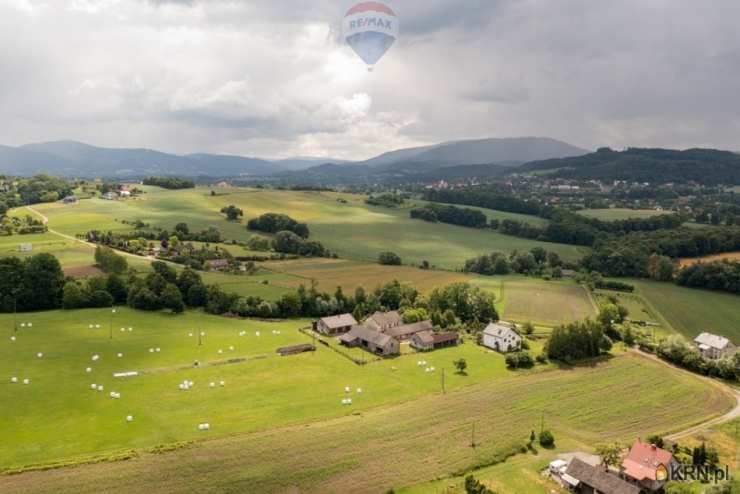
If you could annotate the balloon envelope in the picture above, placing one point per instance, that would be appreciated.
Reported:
(370, 28)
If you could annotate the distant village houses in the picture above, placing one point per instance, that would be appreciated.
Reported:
(714, 347)
(502, 337)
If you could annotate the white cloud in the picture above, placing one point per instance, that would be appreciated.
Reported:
(260, 77)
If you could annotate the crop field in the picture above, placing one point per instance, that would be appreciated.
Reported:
(541, 302)
(331, 273)
(343, 222)
(621, 214)
(397, 444)
(727, 256)
(690, 311)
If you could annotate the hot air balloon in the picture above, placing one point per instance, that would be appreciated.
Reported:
(370, 28)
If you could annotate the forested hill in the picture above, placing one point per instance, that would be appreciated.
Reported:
(705, 166)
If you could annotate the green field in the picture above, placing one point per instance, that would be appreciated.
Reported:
(351, 228)
(614, 214)
(262, 391)
(690, 311)
(393, 441)
(546, 303)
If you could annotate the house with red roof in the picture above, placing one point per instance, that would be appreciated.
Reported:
(648, 466)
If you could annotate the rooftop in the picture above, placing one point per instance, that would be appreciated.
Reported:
(339, 321)
(712, 341)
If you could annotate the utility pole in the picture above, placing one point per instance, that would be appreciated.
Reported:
(472, 437)
(443, 380)
(15, 313)
(110, 325)
(200, 338)
(542, 422)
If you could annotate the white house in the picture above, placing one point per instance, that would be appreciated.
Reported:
(124, 193)
(502, 337)
(714, 347)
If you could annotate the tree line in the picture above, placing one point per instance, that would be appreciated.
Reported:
(450, 214)
(38, 283)
(172, 183)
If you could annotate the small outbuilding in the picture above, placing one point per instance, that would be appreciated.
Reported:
(371, 340)
(714, 347)
(217, 264)
(587, 479)
(427, 340)
(383, 321)
(502, 337)
(335, 325)
(406, 331)
(296, 349)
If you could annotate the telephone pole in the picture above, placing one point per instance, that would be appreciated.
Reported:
(443, 380)
(472, 437)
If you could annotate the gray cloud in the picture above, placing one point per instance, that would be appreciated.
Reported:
(270, 78)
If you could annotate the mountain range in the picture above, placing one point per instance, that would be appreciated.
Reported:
(76, 159)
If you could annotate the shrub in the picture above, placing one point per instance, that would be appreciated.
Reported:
(547, 440)
(389, 259)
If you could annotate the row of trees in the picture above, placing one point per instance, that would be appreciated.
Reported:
(537, 261)
(450, 214)
(274, 223)
(719, 275)
(18, 192)
(170, 182)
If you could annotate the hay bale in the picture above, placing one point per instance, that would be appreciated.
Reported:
(346, 389)
(14, 380)
(26, 381)
(88, 370)
(40, 355)
(100, 387)
(129, 418)
(231, 348)
(119, 355)
(93, 386)
(151, 350)
(221, 383)
(220, 351)
(212, 385)
(12, 338)
(95, 357)
(156, 349)
(359, 390)
(130, 329)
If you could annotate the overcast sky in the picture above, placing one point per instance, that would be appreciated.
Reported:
(273, 78)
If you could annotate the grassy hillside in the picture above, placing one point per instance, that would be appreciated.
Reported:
(341, 221)
(546, 303)
(394, 445)
(620, 213)
(690, 311)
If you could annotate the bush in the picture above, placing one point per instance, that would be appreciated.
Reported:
(389, 259)
(547, 440)
(519, 360)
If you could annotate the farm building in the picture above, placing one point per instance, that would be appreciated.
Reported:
(648, 466)
(217, 264)
(502, 337)
(124, 193)
(713, 347)
(382, 321)
(587, 479)
(109, 196)
(371, 340)
(428, 340)
(25, 247)
(406, 331)
(70, 200)
(295, 349)
(334, 325)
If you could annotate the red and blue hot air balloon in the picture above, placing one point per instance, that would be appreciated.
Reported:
(370, 28)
